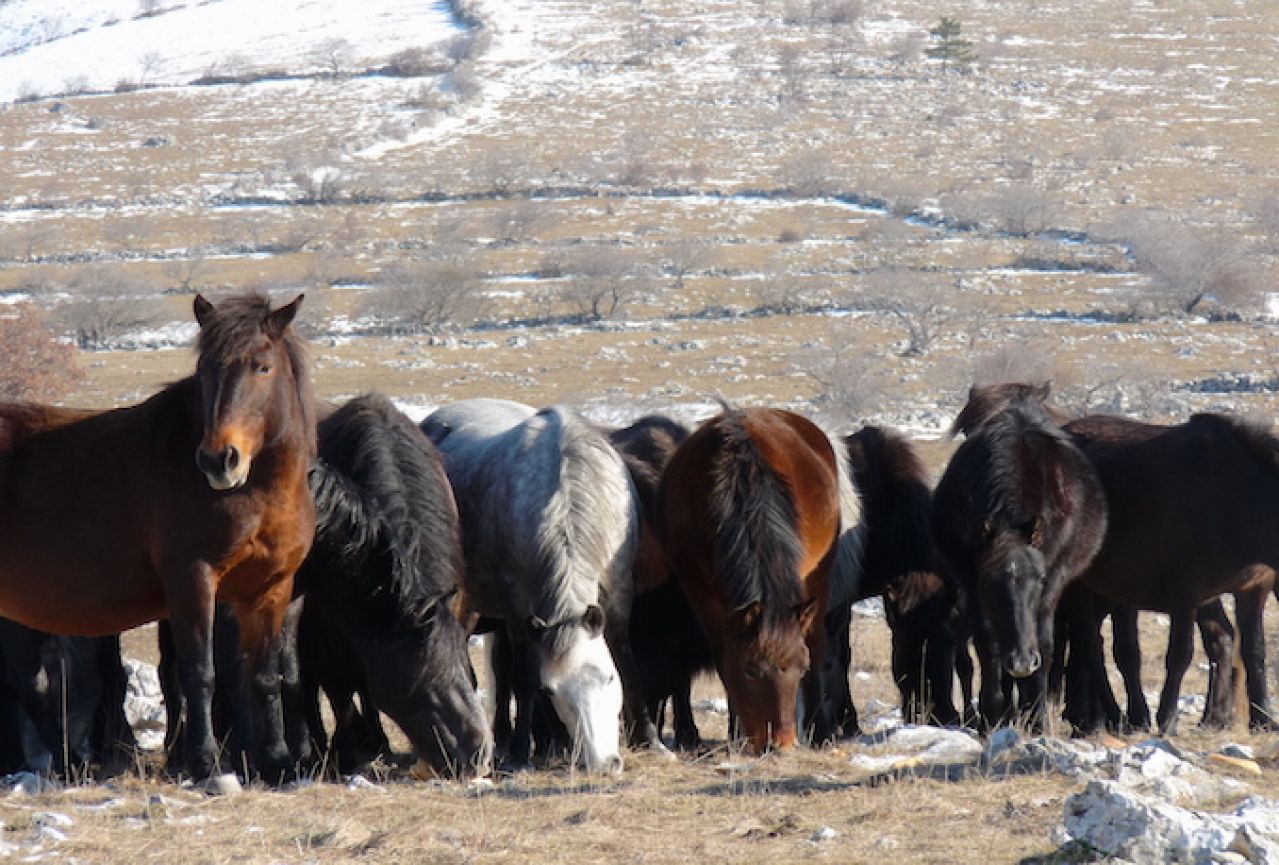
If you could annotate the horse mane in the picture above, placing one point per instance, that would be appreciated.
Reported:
(237, 329)
(846, 570)
(646, 447)
(1015, 442)
(757, 549)
(987, 401)
(379, 489)
(1256, 434)
(577, 543)
(897, 499)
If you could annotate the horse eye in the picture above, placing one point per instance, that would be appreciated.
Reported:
(753, 671)
(262, 369)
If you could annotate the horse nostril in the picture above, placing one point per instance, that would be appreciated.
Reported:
(1034, 661)
(231, 458)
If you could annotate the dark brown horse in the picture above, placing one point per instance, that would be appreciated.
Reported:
(900, 564)
(112, 519)
(750, 517)
(1017, 515)
(1193, 510)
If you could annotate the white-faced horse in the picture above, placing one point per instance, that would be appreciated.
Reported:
(549, 525)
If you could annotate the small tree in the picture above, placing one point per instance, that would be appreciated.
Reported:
(37, 364)
(601, 284)
(187, 271)
(103, 307)
(948, 46)
(919, 304)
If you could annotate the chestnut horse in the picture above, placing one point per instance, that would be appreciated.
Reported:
(751, 516)
(115, 518)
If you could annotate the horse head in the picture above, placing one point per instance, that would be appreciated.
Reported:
(578, 673)
(762, 663)
(426, 684)
(253, 386)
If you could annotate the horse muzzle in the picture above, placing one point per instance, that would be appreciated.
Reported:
(1022, 664)
(225, 469)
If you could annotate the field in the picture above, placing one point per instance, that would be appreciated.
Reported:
(644, 206)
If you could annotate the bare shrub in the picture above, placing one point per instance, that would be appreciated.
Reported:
(1190, 265)
(782, 294)
(334, 56)
(37, 364)
(1021, 209)
(601, 284)
(188, 271)
(503, 167)
(321, 181)
(415, 63)
(919, 303)
(415, 296)
(102, 308)
(834, 12)
(680, 260)
(150, 64)
(808, 174)
(465, 80)
(518, 220)
(1015, 362)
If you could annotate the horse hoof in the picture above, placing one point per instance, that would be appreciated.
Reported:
(513, 768)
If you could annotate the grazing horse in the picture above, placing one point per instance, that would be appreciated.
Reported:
(1018, 513)
(669, 645)
(379, 587)
(549, 526)
(751, 513)
(900, 564)
(1192, 514)
(197, 494)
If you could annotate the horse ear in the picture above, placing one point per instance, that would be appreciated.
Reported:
(1041, 391)
(805, 613)
(746, 620)
(203, 310)
(593, 620)
(281, 318)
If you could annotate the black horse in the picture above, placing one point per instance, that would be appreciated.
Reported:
(1017, 515)
(379, 589)
(900, 564)
(63, 704)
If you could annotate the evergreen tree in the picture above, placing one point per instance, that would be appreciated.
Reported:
(954, 51)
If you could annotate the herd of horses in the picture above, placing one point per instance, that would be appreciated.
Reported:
(293, 549)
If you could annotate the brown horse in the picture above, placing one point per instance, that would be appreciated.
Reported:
(115, 518)
(750, 517)
(1193, 509)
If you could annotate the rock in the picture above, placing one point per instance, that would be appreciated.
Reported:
(1000, 741)
(27, 784)
(1243, 752)
(1117, 821)
(144, 704)
(930, 744)
(359, 782)
(223, 785)
(825, 833)
(1256, 824)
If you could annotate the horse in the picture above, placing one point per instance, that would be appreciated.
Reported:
(1192, 512)
(1018, 514)
(66, 703)
(549, 527)
(667, 641)
(752, 510)
(197, 494)
(900, 565)
(379, 588)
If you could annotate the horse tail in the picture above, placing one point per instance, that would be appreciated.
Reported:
(586, 538)
(754, 515)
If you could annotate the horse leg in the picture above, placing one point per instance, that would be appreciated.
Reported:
(191, 609)
(640, 729)
(1181, 650)
(1218, 637)
(174, 704)
(502, 662)
(687, 736)
(261, 639)
(991, 699)
(1126, 651)
(28, 680)
(1250, 607)
(296, 734)
(909, 658)
(525, 683)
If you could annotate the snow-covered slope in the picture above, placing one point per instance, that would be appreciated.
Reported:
(50, 46)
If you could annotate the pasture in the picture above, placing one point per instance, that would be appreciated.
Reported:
(786, 204)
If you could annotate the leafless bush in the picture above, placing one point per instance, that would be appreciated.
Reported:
(1191, 265)
(1021, 209)
(37, 364)
(298, 232)
(188, 271)
(334, 57)
(150, 63)
(415, 296)
(321, 181)
(686, 257)
(516, 221)
(1263, 210)
(601, 284)
(503, 167)
(1015, 362)
(810, 12)
(416, 63)
(908, 50)
(808, 174)
(782, 294)
(102, 308)
(464, 80)
(919, 303)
